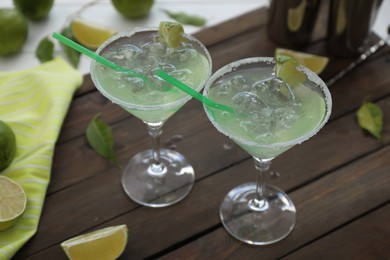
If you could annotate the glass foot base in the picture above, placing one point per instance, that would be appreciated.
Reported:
(267, 224)
(158, 185)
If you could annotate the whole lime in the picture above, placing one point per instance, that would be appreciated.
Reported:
(13, 31)
(7, 145)
(133, 8)
(35, 10)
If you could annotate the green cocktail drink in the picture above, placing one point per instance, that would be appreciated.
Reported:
(155, 177)
(270, 116)
(151, 100)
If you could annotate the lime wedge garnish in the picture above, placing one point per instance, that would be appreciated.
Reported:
(313, 62)
(171, 33)
(286, 69)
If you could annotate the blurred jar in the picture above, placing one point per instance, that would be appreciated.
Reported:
(291, 22)
(349, 23)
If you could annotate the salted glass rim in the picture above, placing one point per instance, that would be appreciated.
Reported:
(125, 104)
(311, 76)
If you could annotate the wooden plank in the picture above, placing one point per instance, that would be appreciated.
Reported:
(366, 238)
(321, 207)
(298, 166)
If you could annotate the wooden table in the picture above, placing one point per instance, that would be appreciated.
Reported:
(339, 180)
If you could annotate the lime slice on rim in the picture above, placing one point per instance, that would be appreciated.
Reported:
(286, 69)
(106, 243)
(89, 34)
(313, 62)
(171, 33)
(12, 202)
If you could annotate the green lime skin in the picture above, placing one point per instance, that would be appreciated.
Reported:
(133, 8)
(13, 31)
(7, 145)
(34, 9)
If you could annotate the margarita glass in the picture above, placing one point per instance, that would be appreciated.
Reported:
(156, 177)
(270, 116)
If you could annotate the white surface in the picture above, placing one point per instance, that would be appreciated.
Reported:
(215, 11)
(104, 13)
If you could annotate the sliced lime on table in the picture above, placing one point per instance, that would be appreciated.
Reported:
(102, 244)
(12, 202)
(90, 34)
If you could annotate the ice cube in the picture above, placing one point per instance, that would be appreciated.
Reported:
(182, 75)
(247, 104)
(129, 51)
(166, 67)
(159, 84)
(239, 82)
(221, 88)
(285, 117)
(135, 84)
(184, 55)
(274, 92)
(155, 48)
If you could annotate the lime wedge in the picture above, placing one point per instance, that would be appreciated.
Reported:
(171, 33)
(313, 62)
(89, 34)
(12, 202)
(286, 69)
(106, 243)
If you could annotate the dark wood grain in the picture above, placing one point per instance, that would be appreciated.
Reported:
(368, 237)
(338, 179)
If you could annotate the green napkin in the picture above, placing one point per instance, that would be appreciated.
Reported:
(34, 103)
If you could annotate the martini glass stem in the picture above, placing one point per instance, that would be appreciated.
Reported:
(155, 130)
(260, 202)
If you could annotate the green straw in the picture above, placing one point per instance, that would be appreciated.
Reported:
(173, 81)
(93, 55)
(177, 83)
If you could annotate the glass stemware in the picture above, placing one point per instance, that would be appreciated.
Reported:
(156, 177)
(270, 117)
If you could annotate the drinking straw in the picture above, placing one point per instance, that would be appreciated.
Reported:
(160, 73)
(195, 94)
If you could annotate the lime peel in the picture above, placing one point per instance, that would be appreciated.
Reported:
(171, 33)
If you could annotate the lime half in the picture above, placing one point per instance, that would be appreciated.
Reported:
(12, 202)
